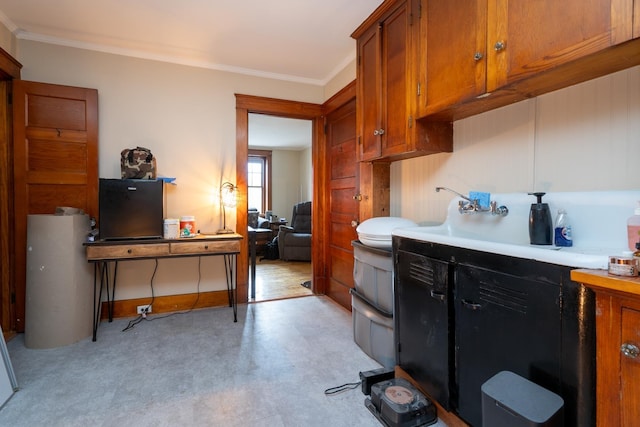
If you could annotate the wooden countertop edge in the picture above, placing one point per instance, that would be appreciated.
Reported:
(601, 280)
(198, 238)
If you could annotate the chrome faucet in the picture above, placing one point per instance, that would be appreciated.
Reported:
(454, 192)
(498, 210)
(472, 206)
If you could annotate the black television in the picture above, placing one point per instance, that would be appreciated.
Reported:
(131, 209)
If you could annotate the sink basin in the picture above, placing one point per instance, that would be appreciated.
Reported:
(598, 221)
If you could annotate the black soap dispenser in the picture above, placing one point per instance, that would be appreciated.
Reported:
(540, 225)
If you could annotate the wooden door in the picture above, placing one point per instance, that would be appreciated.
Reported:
(452, 47)
(342, 167)
(55, 158)
(539, 35)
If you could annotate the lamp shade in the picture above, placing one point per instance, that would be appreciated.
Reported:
(227, 200)
(228, 195)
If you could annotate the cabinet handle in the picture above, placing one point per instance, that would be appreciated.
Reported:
(499, 46)
(478, 56)
(206, 247)
(129, 251)
(378, 132)
(354, 223)
(630, 350)
(471, 305)
(440, 296)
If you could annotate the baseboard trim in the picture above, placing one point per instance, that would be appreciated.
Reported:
(167, 304)
(449, 418)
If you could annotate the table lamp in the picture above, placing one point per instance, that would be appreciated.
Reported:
(227, 200)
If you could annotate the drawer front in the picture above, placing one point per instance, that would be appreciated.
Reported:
(226, 246)
(127, 251)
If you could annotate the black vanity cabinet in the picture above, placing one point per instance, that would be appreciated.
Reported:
(462, 316)
(507, 323)
(422, 324)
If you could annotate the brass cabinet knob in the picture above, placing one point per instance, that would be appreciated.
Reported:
(378, 132)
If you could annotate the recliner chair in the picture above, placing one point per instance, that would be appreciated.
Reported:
(294, 241)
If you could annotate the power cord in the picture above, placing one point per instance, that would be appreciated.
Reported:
(342, 388)
(194, 303)
(143, 316)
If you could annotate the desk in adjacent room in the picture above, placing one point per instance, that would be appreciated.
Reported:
(102, 253)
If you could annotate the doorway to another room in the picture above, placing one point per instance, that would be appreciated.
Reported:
(277, 279)
(279, 178)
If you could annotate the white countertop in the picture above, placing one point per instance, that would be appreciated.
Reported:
(598, 222)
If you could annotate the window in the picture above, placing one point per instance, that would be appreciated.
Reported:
(259, 180)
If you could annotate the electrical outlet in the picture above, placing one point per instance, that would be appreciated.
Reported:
(144, 309)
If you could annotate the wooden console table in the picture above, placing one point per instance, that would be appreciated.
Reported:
(102, 253)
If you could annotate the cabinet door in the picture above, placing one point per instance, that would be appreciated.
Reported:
(504, 322)
(452, 46)
(422, 322)
(383, 80)
(368, 99)
(630, 367)
(396, 77)
(527, 37)
(470, 48)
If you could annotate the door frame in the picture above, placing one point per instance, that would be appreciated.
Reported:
(9, 70)
(337, 101)
(246, 104)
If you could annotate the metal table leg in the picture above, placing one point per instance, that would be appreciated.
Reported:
(252, 247)
(96, 298)
(103, 267)
(231, 273)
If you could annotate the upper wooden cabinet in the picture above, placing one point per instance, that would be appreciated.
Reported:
(383, 77)
(386, 89)
(470, 49)
(451, 33)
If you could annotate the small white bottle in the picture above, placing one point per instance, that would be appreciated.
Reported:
(562, 232)
(633, 228)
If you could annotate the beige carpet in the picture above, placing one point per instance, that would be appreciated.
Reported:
(276, 279)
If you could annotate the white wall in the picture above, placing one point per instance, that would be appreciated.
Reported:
(586, 137)
(582, 138)
(186, 116)
(7, 40)
(340, 80)
(292, 180)
(306, 176)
